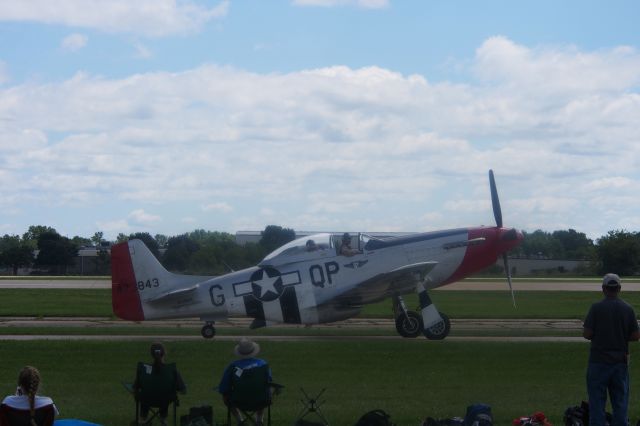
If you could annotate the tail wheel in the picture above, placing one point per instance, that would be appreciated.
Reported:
(440, 330)
(208, 331)
(409, 325)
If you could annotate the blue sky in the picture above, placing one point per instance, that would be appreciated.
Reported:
(375, 115)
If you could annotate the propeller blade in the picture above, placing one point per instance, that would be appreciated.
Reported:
(508, 272)
(495, 201)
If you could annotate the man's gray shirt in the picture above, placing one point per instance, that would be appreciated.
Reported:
(612, 321)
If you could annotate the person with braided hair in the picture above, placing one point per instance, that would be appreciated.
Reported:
(26, 407)
(145, 378)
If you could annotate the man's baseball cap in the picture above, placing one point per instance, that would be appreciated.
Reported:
(611, 281)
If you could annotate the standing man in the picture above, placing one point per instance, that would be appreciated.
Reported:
(610, 325)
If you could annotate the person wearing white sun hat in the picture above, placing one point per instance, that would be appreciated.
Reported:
(246, 350)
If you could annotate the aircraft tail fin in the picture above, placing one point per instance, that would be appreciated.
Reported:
(141, 288)
(137, 277)
(125, 298)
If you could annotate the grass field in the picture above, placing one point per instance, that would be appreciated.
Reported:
(410, 379)
(457, 304)
(56, 302)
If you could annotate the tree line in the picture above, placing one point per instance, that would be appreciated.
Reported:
(618, 250)
(198, 252)
(203, 252)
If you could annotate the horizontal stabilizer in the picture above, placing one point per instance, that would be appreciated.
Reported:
(172, 296)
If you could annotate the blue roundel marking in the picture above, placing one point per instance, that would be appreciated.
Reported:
(266, 284)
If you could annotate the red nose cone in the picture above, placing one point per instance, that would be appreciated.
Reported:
(508, 238)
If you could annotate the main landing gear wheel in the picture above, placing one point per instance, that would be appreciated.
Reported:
(208, 331)
(439, 330)
(409, 325)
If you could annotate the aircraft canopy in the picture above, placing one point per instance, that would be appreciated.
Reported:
(306, 248)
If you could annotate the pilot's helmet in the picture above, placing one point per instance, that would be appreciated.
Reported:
(346, 237)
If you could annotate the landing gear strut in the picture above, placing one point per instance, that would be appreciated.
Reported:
(436, 325)
(410, 324)
(208, 330)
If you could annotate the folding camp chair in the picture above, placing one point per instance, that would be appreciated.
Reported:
(311, 406)
(251, 391)
(155, 389)
(10, 416)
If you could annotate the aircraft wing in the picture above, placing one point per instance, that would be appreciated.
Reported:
(186, 288)
(378, 287)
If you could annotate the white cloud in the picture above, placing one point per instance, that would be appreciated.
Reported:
(153, 18)
(140, 217)
(367, 4)
(74, 42)
(609, 183)
(562, 71)
(461, 205)
(219, 207)
(336, 147)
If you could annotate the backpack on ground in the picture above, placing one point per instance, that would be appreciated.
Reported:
(452, 421)
(577, 415)
(375, 418)
(478, 415)
(537, 419)
(198, 416)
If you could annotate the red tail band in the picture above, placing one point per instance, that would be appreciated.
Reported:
(124, 290)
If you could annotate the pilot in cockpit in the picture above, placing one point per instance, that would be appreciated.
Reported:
(311, 245)
(345, 247)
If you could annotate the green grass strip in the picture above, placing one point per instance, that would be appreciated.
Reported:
(456, 304)
(56, 302)
(138, 330)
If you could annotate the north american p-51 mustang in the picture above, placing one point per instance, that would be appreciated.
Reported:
(309, 281)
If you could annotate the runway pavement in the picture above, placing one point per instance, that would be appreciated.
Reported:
(50, 283)
(538, 285)
(521, 339)
(243, 323)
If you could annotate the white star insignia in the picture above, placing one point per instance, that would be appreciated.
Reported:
(266, 284)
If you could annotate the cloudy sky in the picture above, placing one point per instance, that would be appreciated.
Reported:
(166, 116)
